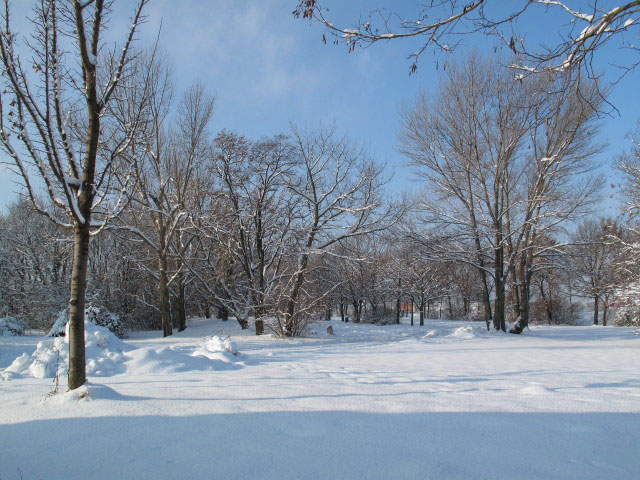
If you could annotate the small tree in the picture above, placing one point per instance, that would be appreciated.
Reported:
(54, 115)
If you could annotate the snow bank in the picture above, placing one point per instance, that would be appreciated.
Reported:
(215, 346)
(215, 353)
(467, 332)
(103, 355)
(11, 326)
(107, 355)
(535, 389)
(86, 392)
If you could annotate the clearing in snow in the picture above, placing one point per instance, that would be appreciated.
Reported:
(445, 401)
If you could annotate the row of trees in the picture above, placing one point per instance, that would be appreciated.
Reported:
(379, 278)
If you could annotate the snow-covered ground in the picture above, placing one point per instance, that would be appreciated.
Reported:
(443, 401)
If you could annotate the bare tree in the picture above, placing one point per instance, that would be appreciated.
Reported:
(504, 161)
(55, 84)
(595, 256)
(629, 164)
(340, 192)
(167, 161)
(254, 225)
(438, 25)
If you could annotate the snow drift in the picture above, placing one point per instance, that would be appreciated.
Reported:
(104, 355)
(107, 355)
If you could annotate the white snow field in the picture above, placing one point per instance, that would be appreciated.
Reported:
(443, 401)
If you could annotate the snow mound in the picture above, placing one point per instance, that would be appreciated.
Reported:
(534, 389)
(103, 355)
(11, 326)
(213, 354)
(467, 332)
(107, 355)
(214, 346)
(86, 392)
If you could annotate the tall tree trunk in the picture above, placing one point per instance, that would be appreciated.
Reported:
(422, 313)
(291, 323)
(547, 304)
(412, 308)
(515, 294)
(499, 304)
(596, 299)
(605, 308)
(342, 309)
(181, 309)
(524, 274)
(77, 370)
(398, 310)
(259, 326)
(163, 293)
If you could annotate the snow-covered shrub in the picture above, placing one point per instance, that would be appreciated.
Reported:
(11, 326)
(627, 312)
(57, 329)
(300, 324)
(627, 316)
(94, 315)
(105, 318)
(379, 317)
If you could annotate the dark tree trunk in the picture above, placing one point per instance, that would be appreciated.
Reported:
(163, 294)
(290, 320)
(77, 370)
(499, 304)
(342, 309)
(223, 313)
(547, 303)
(259, 326)
(181, 309)
(596, 300)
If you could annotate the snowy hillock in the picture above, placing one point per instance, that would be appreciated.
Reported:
(104, 356)
(11, 326)
(214, 353)
(107, 355)
(467, 332)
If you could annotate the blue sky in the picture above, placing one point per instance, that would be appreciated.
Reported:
(268, 69)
